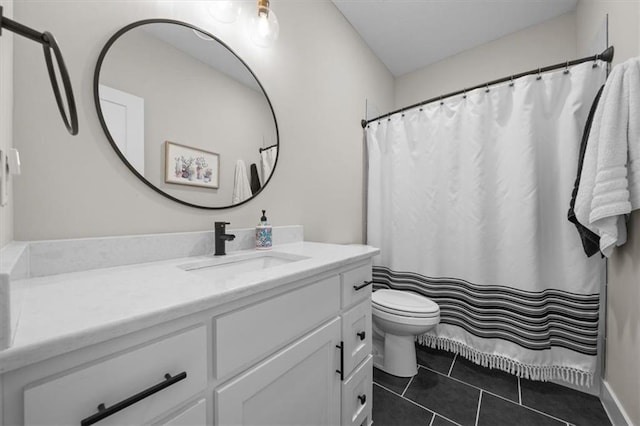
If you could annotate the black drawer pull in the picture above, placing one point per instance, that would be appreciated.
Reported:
(360, 287)
(104, 412)
(362, 398)
(361, 335)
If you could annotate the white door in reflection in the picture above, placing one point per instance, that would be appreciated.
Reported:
(124, 116)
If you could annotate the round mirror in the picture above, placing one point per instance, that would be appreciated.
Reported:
(186, 114)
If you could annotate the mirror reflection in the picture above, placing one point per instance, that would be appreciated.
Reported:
(186, 114)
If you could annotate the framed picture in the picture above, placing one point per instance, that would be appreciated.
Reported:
(185, 165)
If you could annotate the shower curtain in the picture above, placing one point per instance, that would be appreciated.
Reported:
(468, 200)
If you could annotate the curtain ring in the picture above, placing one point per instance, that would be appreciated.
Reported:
(465, 93)
(441, 101)
(487, 90)
(539, 76)
(566, 68)
(595, 61)
(512, 82)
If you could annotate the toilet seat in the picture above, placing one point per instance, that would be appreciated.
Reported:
(404, 304)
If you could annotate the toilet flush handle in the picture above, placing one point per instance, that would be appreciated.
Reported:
(360, 287)
(361, 335)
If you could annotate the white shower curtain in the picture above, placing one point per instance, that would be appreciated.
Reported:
(468, 201)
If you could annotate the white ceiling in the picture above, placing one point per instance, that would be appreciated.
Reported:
(410, 34)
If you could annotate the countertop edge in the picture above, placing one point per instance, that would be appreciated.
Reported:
(14, 358)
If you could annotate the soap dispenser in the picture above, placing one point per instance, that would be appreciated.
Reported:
(263, 233)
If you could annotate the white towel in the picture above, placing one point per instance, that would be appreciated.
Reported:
(610, 181)
(268, 160)
(241, 187)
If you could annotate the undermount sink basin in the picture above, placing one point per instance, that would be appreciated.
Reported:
(232, 265)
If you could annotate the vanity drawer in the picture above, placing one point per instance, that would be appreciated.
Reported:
(69, 399)
(356, 335)
(193, 416)
(357, 395)
(354, 285)
(248, 335)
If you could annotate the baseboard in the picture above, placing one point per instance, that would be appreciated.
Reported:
(612, 406)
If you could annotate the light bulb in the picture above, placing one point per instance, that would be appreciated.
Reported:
(264, 27)
(224, 10)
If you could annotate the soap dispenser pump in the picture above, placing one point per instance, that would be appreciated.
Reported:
(263, 233)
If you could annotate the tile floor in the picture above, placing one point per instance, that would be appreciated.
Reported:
(449, 390)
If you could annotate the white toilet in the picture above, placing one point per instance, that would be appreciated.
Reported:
(398, 317)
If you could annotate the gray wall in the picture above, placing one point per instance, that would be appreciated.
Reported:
(623, 294)
(6, 116)
(317, 76)
(550, 42)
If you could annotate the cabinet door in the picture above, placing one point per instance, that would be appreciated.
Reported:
(297, 386)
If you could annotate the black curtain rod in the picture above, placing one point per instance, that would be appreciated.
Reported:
(606, 56)
(269, 147)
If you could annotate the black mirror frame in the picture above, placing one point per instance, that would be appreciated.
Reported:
(96, 97)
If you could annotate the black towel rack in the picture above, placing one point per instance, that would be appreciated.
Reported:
(49, 43)
(268, 147)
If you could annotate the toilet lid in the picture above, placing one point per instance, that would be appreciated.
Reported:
(404, 301)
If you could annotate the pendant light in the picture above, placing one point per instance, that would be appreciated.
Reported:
(263, 26)
(225, 11)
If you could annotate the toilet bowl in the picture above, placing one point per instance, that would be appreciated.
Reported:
(398, 317)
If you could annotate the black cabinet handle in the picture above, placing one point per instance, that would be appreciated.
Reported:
(362, 398)
(361, 335)
(360, 287)
(104, 412)
(341, 371)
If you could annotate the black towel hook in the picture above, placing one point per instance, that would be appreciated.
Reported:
(49, 43)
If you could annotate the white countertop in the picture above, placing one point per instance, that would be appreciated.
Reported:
(60, 313)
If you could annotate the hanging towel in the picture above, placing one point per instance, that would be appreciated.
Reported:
(268, 160)
(610, 181)
(255, 180)
(590, 240)
(241, 187)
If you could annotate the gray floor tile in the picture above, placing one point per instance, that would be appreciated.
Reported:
(434, 359)
(496, 411)
(391, 410)
(396, 384)
(441, 421)
(450, 398)
(567, 404)
(495, 381)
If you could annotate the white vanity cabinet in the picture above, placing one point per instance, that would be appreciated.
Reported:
(323, 378)
(297, 386)
(74, 398)
(295, 354)
(357, 385)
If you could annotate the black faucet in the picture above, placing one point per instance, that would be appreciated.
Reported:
(221, 237)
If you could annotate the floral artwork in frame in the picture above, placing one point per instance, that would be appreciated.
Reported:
(185, 165)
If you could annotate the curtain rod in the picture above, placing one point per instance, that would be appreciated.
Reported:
(606, 56)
